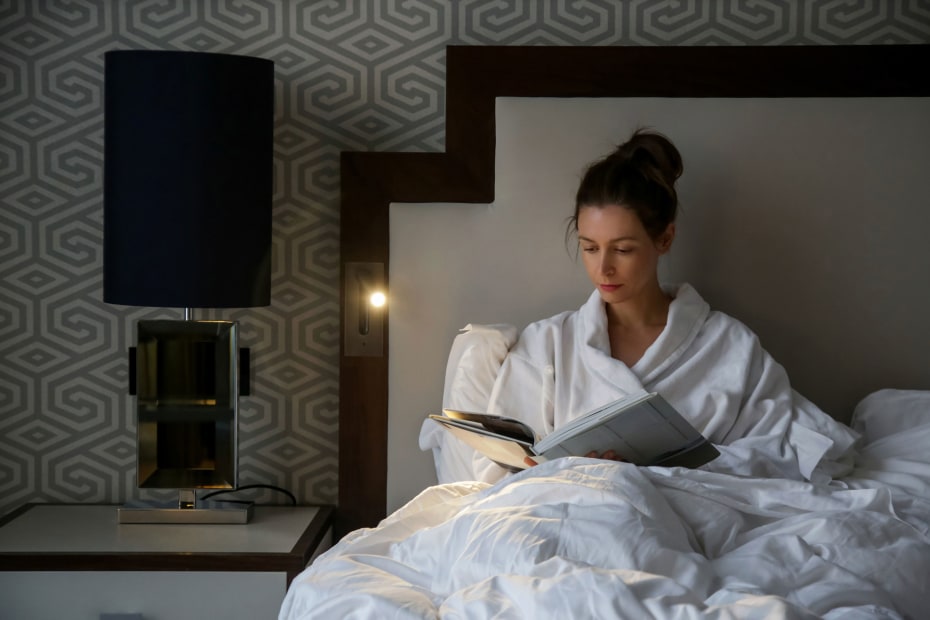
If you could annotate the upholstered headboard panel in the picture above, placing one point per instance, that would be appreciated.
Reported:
(803, 216)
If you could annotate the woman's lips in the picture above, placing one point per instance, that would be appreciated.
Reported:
(608, 288)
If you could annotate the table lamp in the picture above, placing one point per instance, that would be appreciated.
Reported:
(188, 175)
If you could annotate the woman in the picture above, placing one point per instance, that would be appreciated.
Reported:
(634, 334)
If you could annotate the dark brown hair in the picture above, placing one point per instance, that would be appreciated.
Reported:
(639, 175)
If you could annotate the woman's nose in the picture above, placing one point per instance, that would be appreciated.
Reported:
(607, 267)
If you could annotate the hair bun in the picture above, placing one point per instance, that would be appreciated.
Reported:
(653, 154)
(639, 174)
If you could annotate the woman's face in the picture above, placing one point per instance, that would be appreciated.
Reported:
(619, 255)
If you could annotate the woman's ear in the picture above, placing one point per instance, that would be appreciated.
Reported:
(664, 242)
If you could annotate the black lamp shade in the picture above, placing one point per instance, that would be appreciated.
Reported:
(188, 175)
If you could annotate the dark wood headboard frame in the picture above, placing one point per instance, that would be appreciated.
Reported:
(464, 173)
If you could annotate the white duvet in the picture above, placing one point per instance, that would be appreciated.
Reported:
(585, 538)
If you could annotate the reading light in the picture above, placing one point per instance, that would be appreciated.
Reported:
(188, 174)
(364, 309)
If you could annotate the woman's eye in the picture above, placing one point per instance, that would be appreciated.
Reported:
(623, 250)
(589, 249)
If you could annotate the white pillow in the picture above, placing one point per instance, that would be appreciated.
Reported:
(890, 411)
(895, 428)
(475, 358)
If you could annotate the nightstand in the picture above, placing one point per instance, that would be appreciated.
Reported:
(77, 561)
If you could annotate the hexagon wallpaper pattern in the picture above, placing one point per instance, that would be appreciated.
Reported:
(349, 75)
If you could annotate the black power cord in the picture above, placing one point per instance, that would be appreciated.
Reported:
(251, 486)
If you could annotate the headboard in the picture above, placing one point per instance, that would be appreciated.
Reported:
(789, 276)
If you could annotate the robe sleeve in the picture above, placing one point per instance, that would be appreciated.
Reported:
(779, 433)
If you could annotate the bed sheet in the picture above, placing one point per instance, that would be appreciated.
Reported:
(586, 538)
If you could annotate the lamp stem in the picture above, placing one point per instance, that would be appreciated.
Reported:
(188, 314)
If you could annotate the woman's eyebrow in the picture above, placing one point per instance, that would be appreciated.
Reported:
(614, 240)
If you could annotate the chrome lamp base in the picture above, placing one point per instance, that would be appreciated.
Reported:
(187, 510)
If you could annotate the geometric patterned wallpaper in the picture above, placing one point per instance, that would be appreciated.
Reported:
(349, 75)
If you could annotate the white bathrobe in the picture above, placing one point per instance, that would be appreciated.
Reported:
(708, 365)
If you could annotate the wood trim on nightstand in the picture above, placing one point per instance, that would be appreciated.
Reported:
(290, 562)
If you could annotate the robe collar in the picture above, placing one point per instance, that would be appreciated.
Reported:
(686, 316)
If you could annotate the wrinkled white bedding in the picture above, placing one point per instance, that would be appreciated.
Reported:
(585, 538)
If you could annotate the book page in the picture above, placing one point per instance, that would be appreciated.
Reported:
(594, 418)
(507, 452)
(642, 433)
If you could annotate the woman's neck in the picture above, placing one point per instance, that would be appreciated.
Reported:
(633, 325)
(646, 311)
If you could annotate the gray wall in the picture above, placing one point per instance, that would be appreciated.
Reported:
(364, 75)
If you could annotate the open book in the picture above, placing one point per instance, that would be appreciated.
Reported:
(641, 428)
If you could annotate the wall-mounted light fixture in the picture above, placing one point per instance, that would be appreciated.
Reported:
(365, 300)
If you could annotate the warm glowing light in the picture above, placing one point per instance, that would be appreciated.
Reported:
(377, 299)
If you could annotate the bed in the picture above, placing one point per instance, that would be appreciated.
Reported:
(835, 222)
